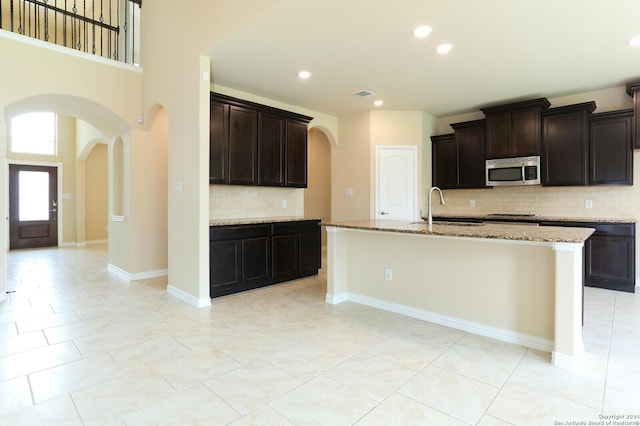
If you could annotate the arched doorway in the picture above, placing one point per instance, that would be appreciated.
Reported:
(80, 126)
(317, 196)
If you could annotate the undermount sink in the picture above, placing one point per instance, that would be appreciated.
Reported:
(448, 223)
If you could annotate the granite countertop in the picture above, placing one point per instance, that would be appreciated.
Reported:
(550, 234)
(258, 220)
(534, 218)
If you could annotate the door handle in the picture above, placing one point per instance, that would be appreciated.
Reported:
(383, 213)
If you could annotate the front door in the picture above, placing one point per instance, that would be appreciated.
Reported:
(397, 182)
(33, 206)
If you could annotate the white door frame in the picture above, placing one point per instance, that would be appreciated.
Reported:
(416, 201)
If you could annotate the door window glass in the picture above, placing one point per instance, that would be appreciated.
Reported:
(33, 190)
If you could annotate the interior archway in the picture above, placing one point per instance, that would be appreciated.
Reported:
(88, 126)
(317, 196)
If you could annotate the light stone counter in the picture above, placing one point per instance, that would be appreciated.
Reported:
(258, 220)
(549, 234)
(517, 283)
(536, 218)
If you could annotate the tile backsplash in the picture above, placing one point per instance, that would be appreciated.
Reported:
(233, 201)
(607, 201)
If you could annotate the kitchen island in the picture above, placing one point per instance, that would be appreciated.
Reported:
(516, 283)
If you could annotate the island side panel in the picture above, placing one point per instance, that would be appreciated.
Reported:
(506, 285)
(568, 327)
(337, 265)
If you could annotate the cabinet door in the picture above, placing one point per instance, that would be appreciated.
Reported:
(284, 257)
(444, 161)
(525, 132)
(224, 267)
(270, 150)
(564, 149)
(296, 154)
(255, 261)
(218, 143)
(633, 89)
(242, 145)
(609, 262)
(611, 149)
(310, 252)
(498, 135)
(471, 164)
(636, 119)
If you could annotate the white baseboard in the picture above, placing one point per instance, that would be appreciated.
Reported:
(335, 299)
(137, 276)
(96, 242)
(565, 361)
(448, 321)
(186, 297)
(118, 271)
(149, 274)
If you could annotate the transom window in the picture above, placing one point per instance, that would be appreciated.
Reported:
(34, 133)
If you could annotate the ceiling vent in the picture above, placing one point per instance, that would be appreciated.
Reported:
(365, 94)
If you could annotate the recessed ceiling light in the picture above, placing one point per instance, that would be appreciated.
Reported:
(443, 49)
(634, 42)
(304, 74)
(422, 31)
(379, 102)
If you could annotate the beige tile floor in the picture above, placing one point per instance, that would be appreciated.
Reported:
(81, 346)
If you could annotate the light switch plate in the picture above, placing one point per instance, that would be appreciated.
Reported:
(588, 204)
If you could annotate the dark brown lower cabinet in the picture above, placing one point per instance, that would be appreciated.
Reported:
(609, 255)
(251, 256)
(296, 249)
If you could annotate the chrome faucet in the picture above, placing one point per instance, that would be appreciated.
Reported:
(430, 216)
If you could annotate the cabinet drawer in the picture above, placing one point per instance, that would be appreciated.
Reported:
(622, 229)
(221, 233)
(296, 227)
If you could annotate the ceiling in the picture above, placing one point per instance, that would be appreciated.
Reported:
(504, 50)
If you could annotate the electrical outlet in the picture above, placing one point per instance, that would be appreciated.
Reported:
(388, 274)
(588, 204)
(284, 204)
(472, 203)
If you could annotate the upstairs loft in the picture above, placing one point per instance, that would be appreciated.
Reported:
(105, 28)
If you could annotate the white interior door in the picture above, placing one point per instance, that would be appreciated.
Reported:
(397, 181)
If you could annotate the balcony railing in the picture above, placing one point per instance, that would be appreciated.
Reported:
(107, 28)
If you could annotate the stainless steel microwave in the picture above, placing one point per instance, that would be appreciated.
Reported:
(513, 171)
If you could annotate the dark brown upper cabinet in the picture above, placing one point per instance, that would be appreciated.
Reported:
(633, 89)
(458, 158)
(513, 130)
(296, 153)
(565, 145)
(219, 143)
(270, 149)
(254, 144)
(611, 148)
(243, 145)
(469, 138)
(444, 170)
